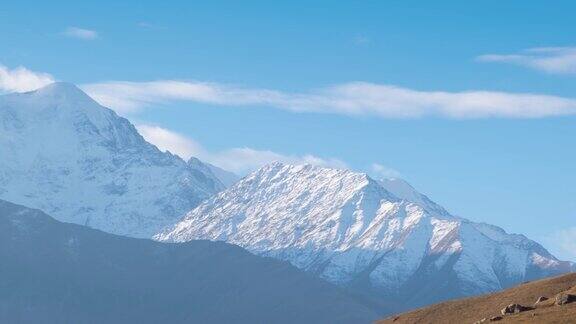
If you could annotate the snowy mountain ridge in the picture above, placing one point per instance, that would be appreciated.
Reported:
(68, 156)
(65, 154)
(379, 236)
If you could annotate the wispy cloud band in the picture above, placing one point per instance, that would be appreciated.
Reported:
(80, 33)
(240, 160)
(355, 98)
(555, 60)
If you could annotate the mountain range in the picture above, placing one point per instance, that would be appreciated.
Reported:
(382, 238)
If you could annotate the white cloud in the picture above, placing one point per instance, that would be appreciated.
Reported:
(21, 79)
(167, 140)
(146, 25)
(355, 98)
(556, 60)
(362, 40)
(238, 160)
(564, 243)
(80, 33)
(380, 171)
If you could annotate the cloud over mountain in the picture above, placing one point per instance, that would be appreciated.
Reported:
(21, 79)
(239, 160)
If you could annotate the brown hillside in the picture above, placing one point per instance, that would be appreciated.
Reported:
(473, 309)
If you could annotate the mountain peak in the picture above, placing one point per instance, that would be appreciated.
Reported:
(65, 154)
(60, 86)
(57, 96)
(395, 188)
(62, 89)
(274, 165)
(313, 179)
(403, 190)
(352, 230)
(308, 168)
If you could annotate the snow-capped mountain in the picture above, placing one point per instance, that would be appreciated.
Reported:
(381, 237)
(63, 153)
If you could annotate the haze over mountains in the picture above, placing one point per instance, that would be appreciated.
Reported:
(79, 162)
(378, 237)
(54, 272)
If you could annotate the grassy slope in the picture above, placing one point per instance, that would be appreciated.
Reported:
(470, 310)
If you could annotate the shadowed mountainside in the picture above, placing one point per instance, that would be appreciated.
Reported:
(54, 272)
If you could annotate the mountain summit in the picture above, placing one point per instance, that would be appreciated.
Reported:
(67, 155)
(379, 237)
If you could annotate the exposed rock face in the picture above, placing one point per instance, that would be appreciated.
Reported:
(541, 299)
(565, 298)
(514, 309)
(491, 319)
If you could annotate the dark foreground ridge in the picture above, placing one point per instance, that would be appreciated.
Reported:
(54, 272)
(550, 300)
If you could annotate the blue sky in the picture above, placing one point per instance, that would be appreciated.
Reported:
(472, 103)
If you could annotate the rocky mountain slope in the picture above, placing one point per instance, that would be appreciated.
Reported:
(54, 272)
(379, 237)
(78, 161)
(488, 308)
